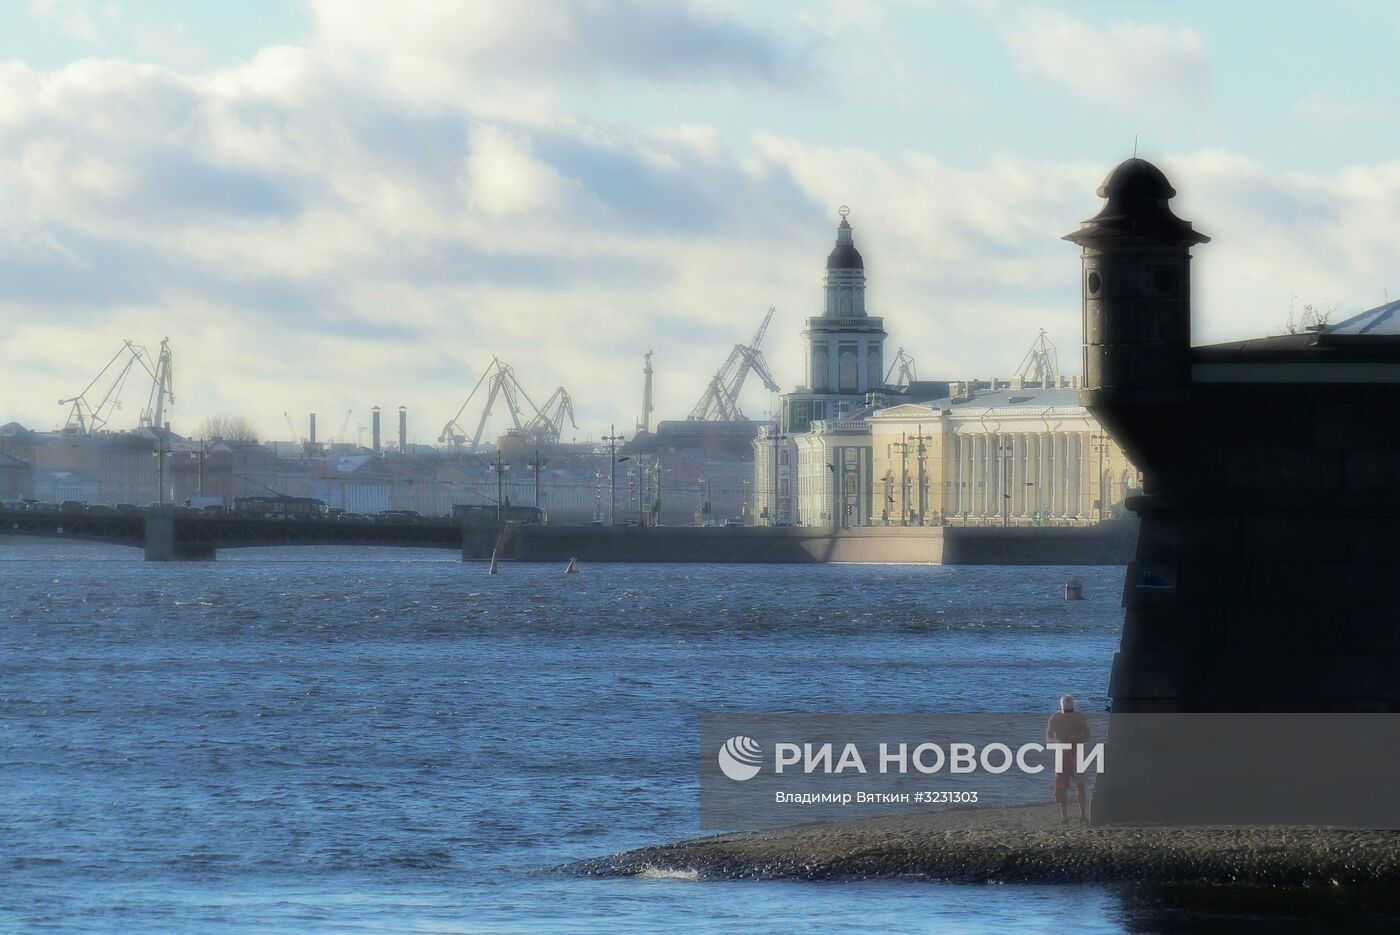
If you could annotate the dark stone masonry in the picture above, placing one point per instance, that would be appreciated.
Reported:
(1265, 576)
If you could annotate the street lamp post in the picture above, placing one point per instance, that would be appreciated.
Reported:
(1101, 445)
(903, 446)
(658, 479)
(537, 464)
(612, 438)
(1003, 450)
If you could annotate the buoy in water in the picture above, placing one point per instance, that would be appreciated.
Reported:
(1074, 590)
(572, 568)
(493, 562)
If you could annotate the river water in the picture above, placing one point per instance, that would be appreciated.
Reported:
(391, 741)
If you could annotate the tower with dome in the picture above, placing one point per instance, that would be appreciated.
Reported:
(845, 356)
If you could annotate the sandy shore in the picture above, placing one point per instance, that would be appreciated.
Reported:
(1024, 844)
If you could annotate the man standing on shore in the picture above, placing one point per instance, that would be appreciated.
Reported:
(1068, 726)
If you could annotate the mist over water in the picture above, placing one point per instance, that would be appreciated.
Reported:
(388, 740)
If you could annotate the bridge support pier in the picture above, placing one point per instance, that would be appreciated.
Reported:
(478, 541)
(160, 540)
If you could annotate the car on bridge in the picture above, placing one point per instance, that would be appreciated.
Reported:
(72, 506)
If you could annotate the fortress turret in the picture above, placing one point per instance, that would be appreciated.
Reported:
(1137, 290)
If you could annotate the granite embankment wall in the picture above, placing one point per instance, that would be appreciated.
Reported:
(1110, 544)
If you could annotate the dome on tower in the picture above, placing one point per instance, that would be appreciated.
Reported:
(1137, 193)
(844, 255)
(1136, 178)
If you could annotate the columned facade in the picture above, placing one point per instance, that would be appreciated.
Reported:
(1029, 456)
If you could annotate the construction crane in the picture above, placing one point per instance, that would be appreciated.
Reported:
(720, 401)
(162, 387)
(536, 424)
(902, 372)
(644, 425)
(548, 423)
(1041, 363)
(85, 417)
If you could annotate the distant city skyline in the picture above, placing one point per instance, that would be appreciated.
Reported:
(337, 205)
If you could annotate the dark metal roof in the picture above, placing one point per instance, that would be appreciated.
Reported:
(1137, 193)
(845, 255)
(1307, 347)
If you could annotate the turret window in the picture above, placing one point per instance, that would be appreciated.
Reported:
(1093, 283)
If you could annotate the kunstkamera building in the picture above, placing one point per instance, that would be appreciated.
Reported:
(849, 450)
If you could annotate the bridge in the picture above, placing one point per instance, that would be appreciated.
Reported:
(166, 535)
(171, 536)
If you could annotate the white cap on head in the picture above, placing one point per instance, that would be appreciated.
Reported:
(1066, 702)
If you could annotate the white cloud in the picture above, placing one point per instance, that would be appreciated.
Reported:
(505, 178)
(69, 17)
(457, 51)
(1118, 63)
(311, 239)
(1332, 115)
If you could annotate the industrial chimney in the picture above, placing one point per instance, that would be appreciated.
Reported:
(311, 432)
(403, 430)
(374, 428)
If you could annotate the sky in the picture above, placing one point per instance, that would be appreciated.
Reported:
(337, 204)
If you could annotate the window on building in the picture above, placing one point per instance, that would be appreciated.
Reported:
(849, 370)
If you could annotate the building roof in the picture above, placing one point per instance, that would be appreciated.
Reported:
(845, 255)
(1137, 193)
(1033, 398)
(1383, 321)
(1373, 336)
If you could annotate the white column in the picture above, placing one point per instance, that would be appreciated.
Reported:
(986, 475)
(1076, 472)
(1018, 472)
(1046, 460)
(1088, 484)
(1033, 493)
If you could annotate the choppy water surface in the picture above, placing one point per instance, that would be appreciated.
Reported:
(391, 741)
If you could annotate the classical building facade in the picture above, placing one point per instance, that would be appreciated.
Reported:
(850, 451)
(1012, 454)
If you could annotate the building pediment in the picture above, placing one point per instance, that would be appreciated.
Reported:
(904, 410)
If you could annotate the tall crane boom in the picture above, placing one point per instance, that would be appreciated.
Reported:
(162, 387)
(548, 423)
(1041, 363)
(498, 380)
(720, 401)
(902, 371)
(86, 416)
